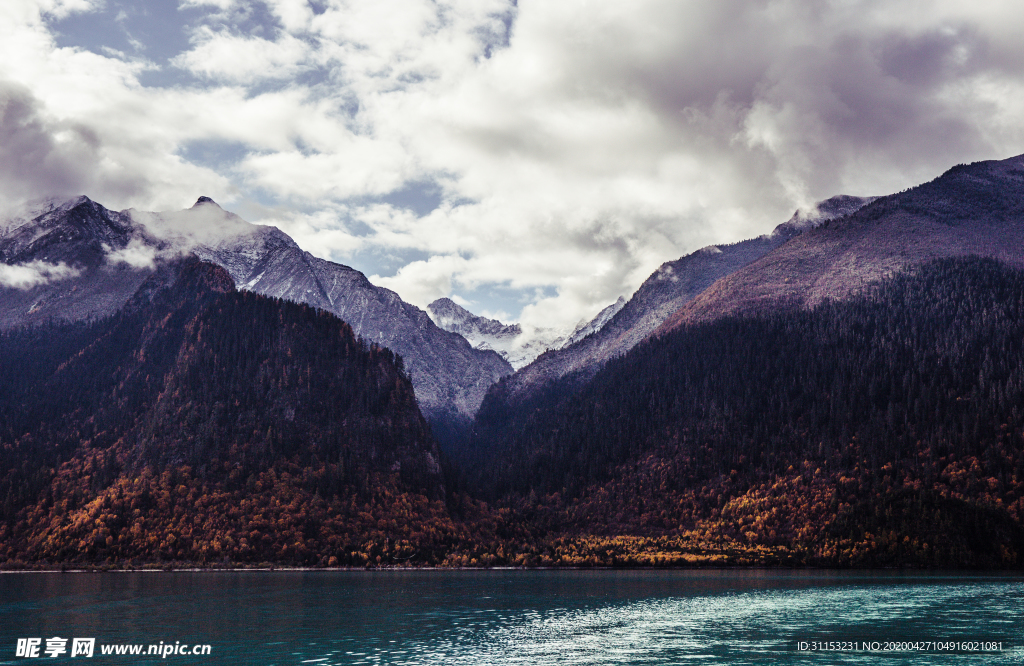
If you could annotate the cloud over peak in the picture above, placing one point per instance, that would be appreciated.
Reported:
(534, 157)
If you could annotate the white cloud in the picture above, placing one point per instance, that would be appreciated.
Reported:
(63, 8)
(137, 254)
(76, 122)
(607, 139)
(219, 4)
(181, 230)
(223, 56)
(420, 281)
(575, 145)
(30, 274)
(321, 233)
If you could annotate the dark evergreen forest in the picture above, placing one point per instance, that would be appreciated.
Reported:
(928, 364)
(202, 423)
(914, 386)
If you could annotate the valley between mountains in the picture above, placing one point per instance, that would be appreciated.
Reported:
(188, 389)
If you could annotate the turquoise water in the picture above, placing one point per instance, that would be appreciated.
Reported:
(533, 618)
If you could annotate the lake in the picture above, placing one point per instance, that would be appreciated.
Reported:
(533, 618)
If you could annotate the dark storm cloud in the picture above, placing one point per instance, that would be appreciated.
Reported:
(824, 89)
(31, 158)
(42, 157)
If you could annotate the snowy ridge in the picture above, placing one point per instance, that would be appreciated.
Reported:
(516, 344)
(595, 324)
(73, 259)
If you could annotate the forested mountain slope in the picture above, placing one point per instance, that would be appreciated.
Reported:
(668, 289)
(886, 428)
(203, 424)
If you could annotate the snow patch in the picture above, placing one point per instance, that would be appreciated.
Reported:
(516, 343)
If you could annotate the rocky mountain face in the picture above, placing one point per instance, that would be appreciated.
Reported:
(668, 289)
(975, 209)
(76, 260)
(449, 375)
(453, 317)
(595, 324)
(829, 209)
(59, 263)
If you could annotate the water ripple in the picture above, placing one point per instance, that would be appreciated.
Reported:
(526, 618)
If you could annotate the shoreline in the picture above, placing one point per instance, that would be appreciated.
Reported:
(273, 569)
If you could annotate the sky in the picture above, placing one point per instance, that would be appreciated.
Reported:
(532, 160)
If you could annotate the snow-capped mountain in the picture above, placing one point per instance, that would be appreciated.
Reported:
(60, 260)
(76, 260)
(480, 331)
(516, 344)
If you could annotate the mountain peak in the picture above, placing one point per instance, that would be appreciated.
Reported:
(452, 317)
(823, 211)
(204, 200)
(446, 307)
